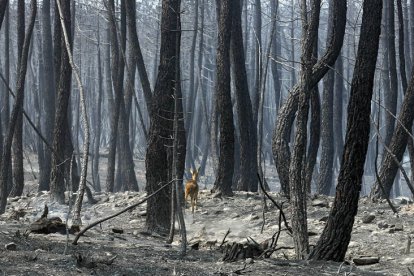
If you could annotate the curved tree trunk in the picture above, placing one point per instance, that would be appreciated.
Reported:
(282, 131)
(333, 243)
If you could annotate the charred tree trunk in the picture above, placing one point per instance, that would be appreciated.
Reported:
(327, 155)
(248, 162)
(337, 106)
(223, 182)
(117, 66)
(282, 131)
(49, 92)
(17, 160)
(297, 171)
(335, 238)
(17, 108)
(158, 156)
(3, 6)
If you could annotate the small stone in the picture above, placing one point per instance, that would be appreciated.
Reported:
(249, 261)
(368, 218)
(254, 217)
(11, 246)
(218, 212)
(366, 260)
(118, 230)
(399, 227)
(383, 225)
(391, 230)
(135, 232)
(319, 203)
(407, 261)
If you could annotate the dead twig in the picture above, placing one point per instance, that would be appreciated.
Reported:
(409, 270)
(275, 203)
(75, 241)
(224, 239)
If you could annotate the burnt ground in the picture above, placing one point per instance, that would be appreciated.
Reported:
(102, 252)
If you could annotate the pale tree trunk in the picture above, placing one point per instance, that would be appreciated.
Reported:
(76, 220)
(334, 241)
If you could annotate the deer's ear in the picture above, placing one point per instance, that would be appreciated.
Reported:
(191, 171)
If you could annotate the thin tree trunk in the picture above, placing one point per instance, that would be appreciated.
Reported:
(17, 108)
(17, 149)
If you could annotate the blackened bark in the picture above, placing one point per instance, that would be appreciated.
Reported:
(158, 155)
(335, 238)
(136, 52)
(297, 168)
(117, 66)
(314, 137)
(3, 5)
(17, 108)
(60, 132)
(282, 131)
(392, 96)
(276, 52)
(327, 154)
(49, 92)
(248, 162)
(224, 177)
(402, 43)
(98, 122)
(257, 38)
(5, 97)
(17, 150)
(337, 106)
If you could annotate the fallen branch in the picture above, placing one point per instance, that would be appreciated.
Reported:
(75, 241)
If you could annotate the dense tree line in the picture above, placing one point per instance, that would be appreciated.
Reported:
(303, 88)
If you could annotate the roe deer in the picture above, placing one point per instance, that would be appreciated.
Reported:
(191, 189)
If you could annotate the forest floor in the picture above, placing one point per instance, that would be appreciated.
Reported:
(135, 252)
